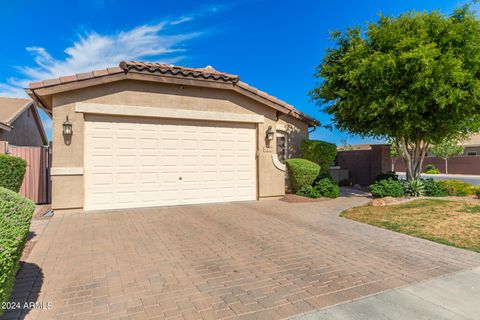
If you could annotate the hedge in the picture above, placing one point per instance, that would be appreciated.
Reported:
(12, 170)
(15, 215)
(301, 172)
(321, 152)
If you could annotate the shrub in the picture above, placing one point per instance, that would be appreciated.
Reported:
(302, 172)
(386, 175)
(457, 187)
(387, 187)
(327, 188)
(434, 189)
(414, 188)
(321, 176)
(15, 215)
(320, 152)
(477, 192)
(309, 192)
(12, 170)
(431, 169)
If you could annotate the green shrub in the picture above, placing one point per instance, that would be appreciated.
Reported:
(12, 170)
(327, 188)
(458, 188)
(15, 215)
(301, 172)
(414, 188)
(321, 176)
(320, 152)
(434, 189)
(387, 187)
(386, 175)
(431, 169)
(309, 192)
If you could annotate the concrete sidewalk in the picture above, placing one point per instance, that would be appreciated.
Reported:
(456, 296)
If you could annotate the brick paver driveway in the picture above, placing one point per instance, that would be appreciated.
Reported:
(262, 260)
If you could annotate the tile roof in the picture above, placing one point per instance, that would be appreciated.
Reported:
(207, 73)
(10, 108)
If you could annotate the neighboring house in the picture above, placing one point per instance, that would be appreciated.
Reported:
(148, 134)
(20, 123)
(472, 145)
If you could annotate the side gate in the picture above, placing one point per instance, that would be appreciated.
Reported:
(36, 184)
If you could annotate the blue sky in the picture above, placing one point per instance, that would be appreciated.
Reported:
(272, 45)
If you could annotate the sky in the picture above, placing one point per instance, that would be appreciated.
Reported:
(272, 45)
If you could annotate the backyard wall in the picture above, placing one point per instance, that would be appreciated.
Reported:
(456, 165)
(364, 165)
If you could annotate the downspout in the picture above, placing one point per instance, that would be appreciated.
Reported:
(314, 128)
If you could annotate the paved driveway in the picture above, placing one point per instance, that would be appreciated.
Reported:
(263, 260)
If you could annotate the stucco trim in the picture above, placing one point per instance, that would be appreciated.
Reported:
(125, 110)
(277, 163)
(66, 171)
(5, 127)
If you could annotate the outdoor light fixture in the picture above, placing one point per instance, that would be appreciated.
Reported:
(67, 128)
(269, 133)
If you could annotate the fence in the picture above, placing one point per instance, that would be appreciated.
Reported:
(456, 165)
(364, 165)
(36, 183)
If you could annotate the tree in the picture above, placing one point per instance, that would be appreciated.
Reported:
(446, 150)
(413, 78)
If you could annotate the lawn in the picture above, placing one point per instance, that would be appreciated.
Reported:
(454, 223)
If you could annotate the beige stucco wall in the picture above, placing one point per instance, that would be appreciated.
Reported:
(68, 190)
(25, 131)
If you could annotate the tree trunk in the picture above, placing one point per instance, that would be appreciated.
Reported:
(412, 153)
(446, 166)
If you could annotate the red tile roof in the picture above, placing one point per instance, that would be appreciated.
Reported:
(207, 73)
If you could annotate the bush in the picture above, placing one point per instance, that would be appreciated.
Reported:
(387, 187)
(457, 188)
(309, 192)
(320, 152)
(386, 175)
(327, 188)
(414, 188)
(434, 189)
(12, 170)
(477, 192)
(301, 172)
(321, 176)
(15, 215)
(431, 169)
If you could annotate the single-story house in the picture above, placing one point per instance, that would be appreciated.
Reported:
(149, 134)
(20, 123)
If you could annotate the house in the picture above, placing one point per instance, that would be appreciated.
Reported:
(20, 123)
(149, 134)
(472, 145)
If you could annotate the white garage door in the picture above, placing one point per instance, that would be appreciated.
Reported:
(139, 162)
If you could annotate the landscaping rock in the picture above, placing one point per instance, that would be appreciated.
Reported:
(383, 202)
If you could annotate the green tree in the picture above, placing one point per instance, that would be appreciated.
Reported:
(412, 78)
(446, 150)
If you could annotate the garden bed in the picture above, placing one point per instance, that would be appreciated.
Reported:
(297, 198)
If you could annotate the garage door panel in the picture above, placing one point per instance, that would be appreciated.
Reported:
(141, 162)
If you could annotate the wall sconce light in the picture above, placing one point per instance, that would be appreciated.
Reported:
(67, 128)
(269, 133)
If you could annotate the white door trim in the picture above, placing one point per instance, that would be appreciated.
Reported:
(137, 111)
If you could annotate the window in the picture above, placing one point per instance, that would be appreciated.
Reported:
(282, 146)
(471, 153)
